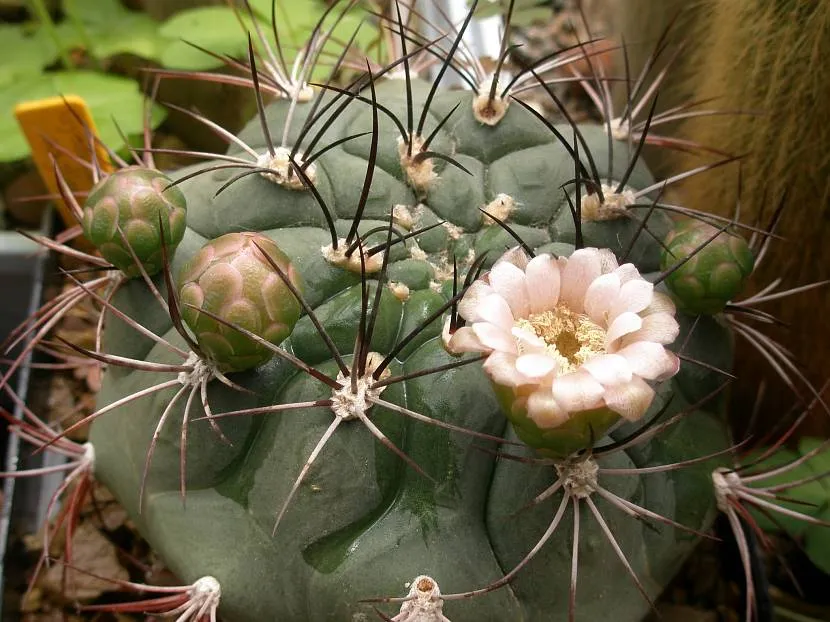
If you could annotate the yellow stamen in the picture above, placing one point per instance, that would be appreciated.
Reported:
(571, 338)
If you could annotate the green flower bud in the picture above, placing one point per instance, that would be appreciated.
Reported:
(132, 199)
(714, 275)
(231, 278)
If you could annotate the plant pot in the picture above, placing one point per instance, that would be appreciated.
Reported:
(23, 268)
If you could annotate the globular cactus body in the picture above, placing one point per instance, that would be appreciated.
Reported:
(363, 522)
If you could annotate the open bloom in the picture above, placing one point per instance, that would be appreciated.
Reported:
(568, 337)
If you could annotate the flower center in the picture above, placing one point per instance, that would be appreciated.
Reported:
(571, 338)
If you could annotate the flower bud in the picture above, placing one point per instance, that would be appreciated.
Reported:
(231, 278)
(133, 199)
(714, 275)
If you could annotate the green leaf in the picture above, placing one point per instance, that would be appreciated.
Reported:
(811, 495)
(95, 11)
(820, 463)
(215, 28)
(71, 37)
(342, 33)
(524, 11)
(132, 34)
(817, 541)
(530, 16)
(22, 55)
(107, 96)
(303, 13)
(817, 537)
(109, 29)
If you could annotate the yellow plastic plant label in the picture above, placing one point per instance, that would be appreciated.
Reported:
(62, 129)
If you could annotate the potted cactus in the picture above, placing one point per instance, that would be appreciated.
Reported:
(411, 352)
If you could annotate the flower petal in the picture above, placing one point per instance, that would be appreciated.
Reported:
(517, 256)
(660, 303)
(608, 369)
(494, 338)
(622, 325)
(607, 260)
(501, 368)
(527, 341)
(628, 272)
(535, 365)
(469, 304)
(631, 400)
(577, 391)
(543, 281)
(635, 295)
(599, 296)
(657, 327)
(544, 410)
(650, 360)
(510, 283)
(462, 340)
(494, 309)
(580, 269)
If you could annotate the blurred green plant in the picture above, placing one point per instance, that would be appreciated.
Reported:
(44, 58)
(525, 12)
(811, 497)
(111, 99)
(211, 28)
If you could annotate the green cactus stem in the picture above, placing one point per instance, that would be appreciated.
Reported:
(367, 447)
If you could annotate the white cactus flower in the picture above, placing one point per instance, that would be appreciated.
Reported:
(568, 335)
